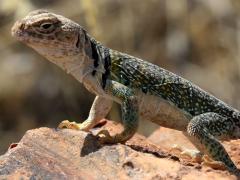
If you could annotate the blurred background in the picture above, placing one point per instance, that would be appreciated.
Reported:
(197, 39)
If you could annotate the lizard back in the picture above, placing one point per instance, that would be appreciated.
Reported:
(151, 79)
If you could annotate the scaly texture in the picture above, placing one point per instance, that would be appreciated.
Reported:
(139, 86)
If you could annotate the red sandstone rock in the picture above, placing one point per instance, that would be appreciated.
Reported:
(68, 154)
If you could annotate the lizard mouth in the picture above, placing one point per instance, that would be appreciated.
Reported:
(18, 31)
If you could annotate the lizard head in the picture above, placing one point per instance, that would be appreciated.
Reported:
(51, 35)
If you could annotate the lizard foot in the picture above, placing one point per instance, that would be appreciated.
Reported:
(105, 138)
(195, 155)
(213, 164)
(69, 125)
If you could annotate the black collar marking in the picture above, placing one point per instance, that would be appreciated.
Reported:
(107, 65)
(95, 54)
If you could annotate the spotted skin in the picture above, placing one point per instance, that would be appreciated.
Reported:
(125, 96)
(139, 74)
(139, 86)
(211, 118)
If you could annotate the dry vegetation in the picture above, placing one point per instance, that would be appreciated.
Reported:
(198, 39)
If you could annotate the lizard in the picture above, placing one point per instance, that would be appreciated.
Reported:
(140, 87)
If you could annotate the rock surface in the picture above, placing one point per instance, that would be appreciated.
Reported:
(68, 154)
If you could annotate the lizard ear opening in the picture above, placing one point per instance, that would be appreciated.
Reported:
(87, 42)
(78, 41)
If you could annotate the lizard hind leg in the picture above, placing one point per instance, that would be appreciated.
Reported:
(203, 131)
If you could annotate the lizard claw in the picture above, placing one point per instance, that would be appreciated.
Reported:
(69, 125)
(105, 138)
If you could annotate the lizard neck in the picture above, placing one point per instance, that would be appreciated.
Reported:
(97, 63)
(92, 59)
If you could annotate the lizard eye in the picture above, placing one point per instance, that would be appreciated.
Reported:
(46, 26)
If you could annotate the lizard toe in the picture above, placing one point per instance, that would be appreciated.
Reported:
(69, 125)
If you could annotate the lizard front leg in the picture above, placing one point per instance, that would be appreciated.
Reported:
(124, 96)
(203, 131)
(99, 110)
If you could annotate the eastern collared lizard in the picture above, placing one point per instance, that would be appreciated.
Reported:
(141, 88)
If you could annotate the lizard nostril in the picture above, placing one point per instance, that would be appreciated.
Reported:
(21, 26)
(18, 29)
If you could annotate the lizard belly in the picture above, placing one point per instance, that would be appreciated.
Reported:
(161, 112)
